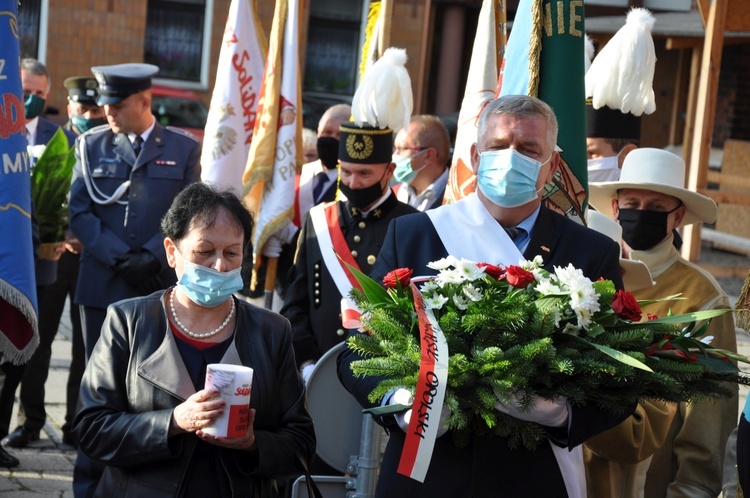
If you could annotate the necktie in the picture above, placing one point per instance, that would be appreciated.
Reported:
(320, 180)
(137, 145)
(514, 233)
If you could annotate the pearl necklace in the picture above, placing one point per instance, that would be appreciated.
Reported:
(190, 332)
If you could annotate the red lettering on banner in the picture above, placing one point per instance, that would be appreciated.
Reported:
(11, 117)
(247, 92)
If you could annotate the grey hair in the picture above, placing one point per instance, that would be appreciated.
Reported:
(33, 66)
(520, 105)
(339, 112)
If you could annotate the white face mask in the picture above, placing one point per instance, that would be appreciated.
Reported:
(604, 169)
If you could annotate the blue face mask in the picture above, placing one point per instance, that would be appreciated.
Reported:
(83, 125)
(33, 106)
(404, 173)
(206, 286)
(508, 178)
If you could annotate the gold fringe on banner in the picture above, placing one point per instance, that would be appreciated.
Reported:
(742, 308)
(370, 34)
(535, 50)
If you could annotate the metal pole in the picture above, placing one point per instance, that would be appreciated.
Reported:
(369, 458)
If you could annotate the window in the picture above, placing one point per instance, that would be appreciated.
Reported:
(332, 58)
(177, 39)
(29, 17)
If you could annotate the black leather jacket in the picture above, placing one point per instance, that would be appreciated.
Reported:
(136, 377)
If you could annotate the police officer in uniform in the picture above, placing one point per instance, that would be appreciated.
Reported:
(84, 112)
(127, 173)
(125, 178)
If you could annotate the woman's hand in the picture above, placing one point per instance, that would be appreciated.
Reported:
(246, 442)
(198, 411)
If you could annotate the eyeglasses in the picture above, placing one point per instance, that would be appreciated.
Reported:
(399, 151)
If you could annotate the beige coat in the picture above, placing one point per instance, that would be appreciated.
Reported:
(690, 463)
(684, 443)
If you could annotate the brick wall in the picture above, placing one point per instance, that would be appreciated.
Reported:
(85, 33)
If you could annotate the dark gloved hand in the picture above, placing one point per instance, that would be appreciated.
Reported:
(139, 269)
(150, 285)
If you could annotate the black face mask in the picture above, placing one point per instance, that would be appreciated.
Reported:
(642, 229)
(363, 197)
(328, 151)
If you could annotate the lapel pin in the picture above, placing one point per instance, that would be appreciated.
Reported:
(545, 249)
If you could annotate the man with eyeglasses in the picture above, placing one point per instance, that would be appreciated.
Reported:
(421, 155)
(649, 201)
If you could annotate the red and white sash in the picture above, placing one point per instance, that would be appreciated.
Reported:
(429, 394)
(335, 252)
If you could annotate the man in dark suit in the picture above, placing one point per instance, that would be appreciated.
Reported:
(36, 85)
(124, 181)
(421, 155)
(513, 159)
(83, 113)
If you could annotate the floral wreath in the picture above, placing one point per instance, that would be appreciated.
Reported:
(522, 332)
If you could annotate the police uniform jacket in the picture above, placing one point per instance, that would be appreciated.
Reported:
(313, 302)
(169, 160)
(485, 466)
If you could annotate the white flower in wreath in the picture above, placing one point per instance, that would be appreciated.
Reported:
(469, 270)
(443, 264)
(35, 151)
(472, 292)
(450, 277)
(547, 286)
(429, 286)
(435, 302)
(461, 302)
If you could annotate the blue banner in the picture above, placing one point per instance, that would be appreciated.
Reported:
(18, 307)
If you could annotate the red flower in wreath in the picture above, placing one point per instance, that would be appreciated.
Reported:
(496, 272)
(518, 277)
(625, 305)
(398, 276)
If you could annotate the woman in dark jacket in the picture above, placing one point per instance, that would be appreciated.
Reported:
(143, 407)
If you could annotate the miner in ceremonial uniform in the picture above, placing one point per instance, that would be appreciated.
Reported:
(353, 229)
(125, 178)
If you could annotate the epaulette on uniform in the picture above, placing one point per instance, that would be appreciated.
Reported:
(182, 132)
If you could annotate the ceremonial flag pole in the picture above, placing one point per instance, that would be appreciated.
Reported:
(276, 152)
(545, 59)
(232, 114)
(480, 89)
(19, 332)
